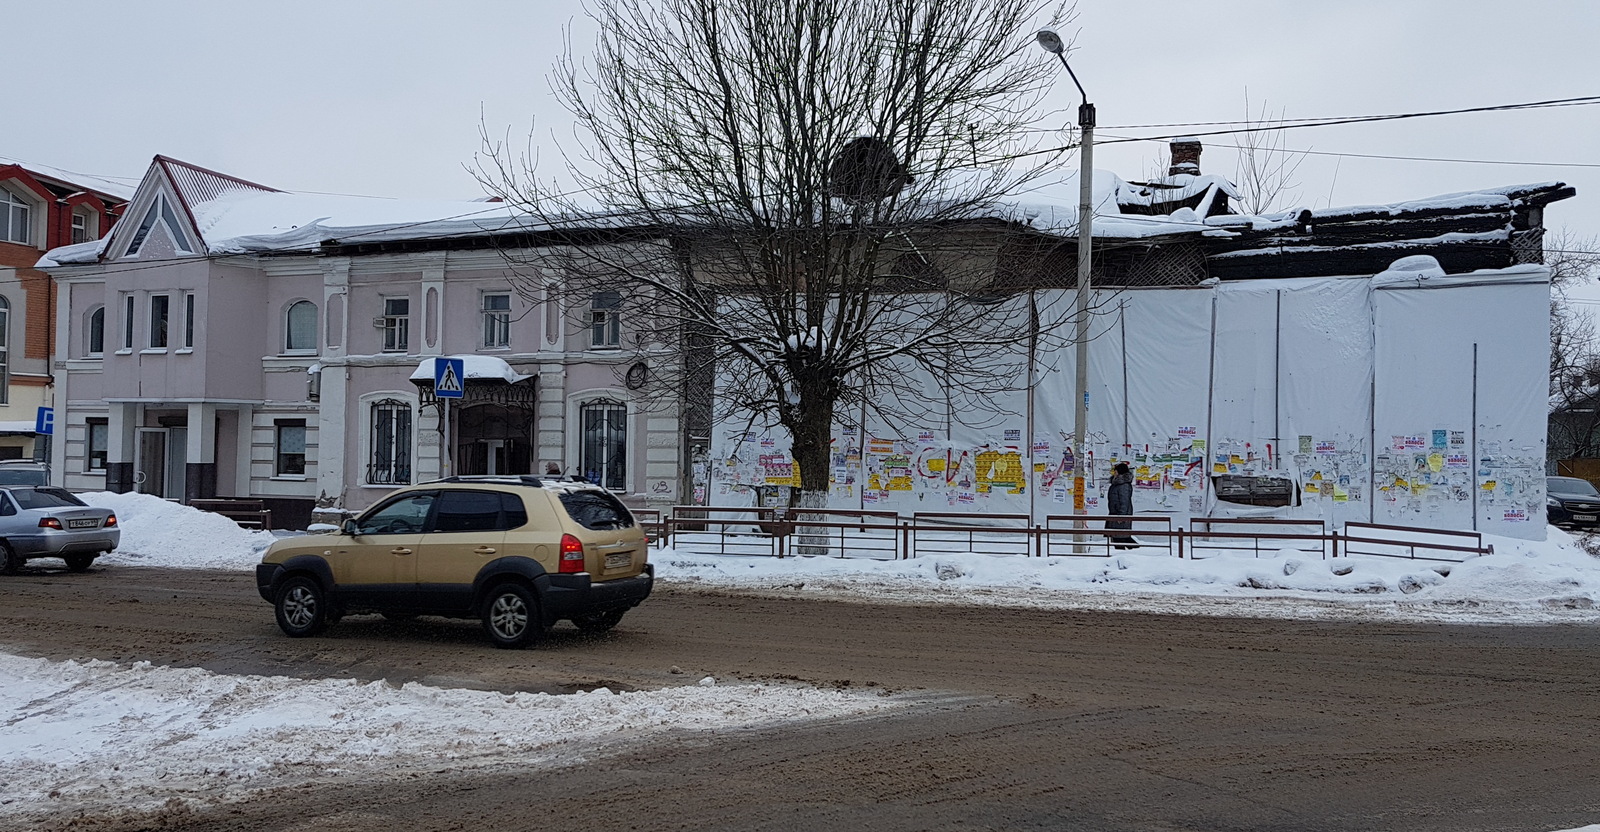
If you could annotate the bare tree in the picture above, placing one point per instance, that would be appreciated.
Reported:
(1574, 348)
(816, 191)
(1264, 173)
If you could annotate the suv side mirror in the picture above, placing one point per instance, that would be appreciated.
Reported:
(349, 527)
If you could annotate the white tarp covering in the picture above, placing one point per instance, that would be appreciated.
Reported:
(1406, 398)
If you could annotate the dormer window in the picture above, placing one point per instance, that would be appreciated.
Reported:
(160, 211)
(16, 218)
(80, 228)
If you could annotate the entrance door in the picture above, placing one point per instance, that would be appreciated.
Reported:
(150, 462)
(177, 463)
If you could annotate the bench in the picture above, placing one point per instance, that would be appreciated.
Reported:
(247, 513)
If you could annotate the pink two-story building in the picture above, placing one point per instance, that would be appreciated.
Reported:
(232, 340)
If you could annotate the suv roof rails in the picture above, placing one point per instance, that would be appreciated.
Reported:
(519, 479)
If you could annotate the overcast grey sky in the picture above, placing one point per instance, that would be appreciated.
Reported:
(384, 97)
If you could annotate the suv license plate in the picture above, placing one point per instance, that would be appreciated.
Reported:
(1584, 518)
(89, 523)
(619, 560)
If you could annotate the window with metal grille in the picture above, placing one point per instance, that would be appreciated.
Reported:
(496, 320)
(389, 462)
(604, 440)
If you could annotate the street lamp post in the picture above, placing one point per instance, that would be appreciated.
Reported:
(1052, 43)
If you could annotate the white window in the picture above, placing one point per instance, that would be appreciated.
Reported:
(300, 327)
(389, 460)
(5, 351)
(605, 323)
(98, 438)
(160, 307)
(80, 228)
(496, 320)
(396, 324)
(127, 322)
(96, 335)
(16, 218)
(188, 320)
(290, 451)
(603, 449)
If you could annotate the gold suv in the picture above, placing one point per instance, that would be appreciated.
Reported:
(520, 553)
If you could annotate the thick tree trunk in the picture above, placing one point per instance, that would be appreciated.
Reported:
(813, 457)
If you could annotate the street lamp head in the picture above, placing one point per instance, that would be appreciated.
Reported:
(1050, 42)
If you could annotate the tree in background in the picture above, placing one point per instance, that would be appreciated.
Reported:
(1574, 349)
(807, 179)
(1264, 172)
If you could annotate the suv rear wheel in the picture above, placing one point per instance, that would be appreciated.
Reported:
(511, 616)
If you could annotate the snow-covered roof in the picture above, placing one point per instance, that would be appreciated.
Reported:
(1052, 206)
(86, 181)
(475, 367)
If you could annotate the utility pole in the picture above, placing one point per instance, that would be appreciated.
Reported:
(1052, 43)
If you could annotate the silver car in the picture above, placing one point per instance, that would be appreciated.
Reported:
(46, 522)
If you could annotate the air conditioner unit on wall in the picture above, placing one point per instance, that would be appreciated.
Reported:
(379, 322)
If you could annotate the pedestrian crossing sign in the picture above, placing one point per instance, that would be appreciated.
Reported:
(447, 377)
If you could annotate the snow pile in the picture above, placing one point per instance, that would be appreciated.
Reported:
(1532, 581)
(156, 532)
(96, 733)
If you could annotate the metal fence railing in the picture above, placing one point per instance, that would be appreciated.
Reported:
(885, 535)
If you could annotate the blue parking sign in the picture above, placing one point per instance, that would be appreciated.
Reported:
(45, 423)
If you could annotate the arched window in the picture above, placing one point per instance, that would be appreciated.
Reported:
(300, 327)
(95, 342)
(603, 448)
(389, 462)
(16, 218)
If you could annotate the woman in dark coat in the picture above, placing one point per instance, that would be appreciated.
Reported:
(1119, 500)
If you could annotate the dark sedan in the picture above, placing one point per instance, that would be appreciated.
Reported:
(1572, 503)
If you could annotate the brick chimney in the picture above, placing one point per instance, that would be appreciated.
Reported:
(1185, 156)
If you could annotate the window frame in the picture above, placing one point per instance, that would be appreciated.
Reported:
(95, 330)
(5, 350)
(396, 327)
(605, 320)
(12, 203)
(279, 426)
(188, 320)
(496, 321)
(389, 450)
(289, 347)
(612, 415)
(128, 311)
(160, 325)
(90, 452)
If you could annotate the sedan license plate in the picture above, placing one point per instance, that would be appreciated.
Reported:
(87, 523)
(1584, 518)
(619, 560)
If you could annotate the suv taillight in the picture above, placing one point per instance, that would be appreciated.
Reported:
(49, 523)
(571, 554)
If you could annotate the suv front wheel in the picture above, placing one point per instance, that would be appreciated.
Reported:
(302, 607)
(511, 616)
